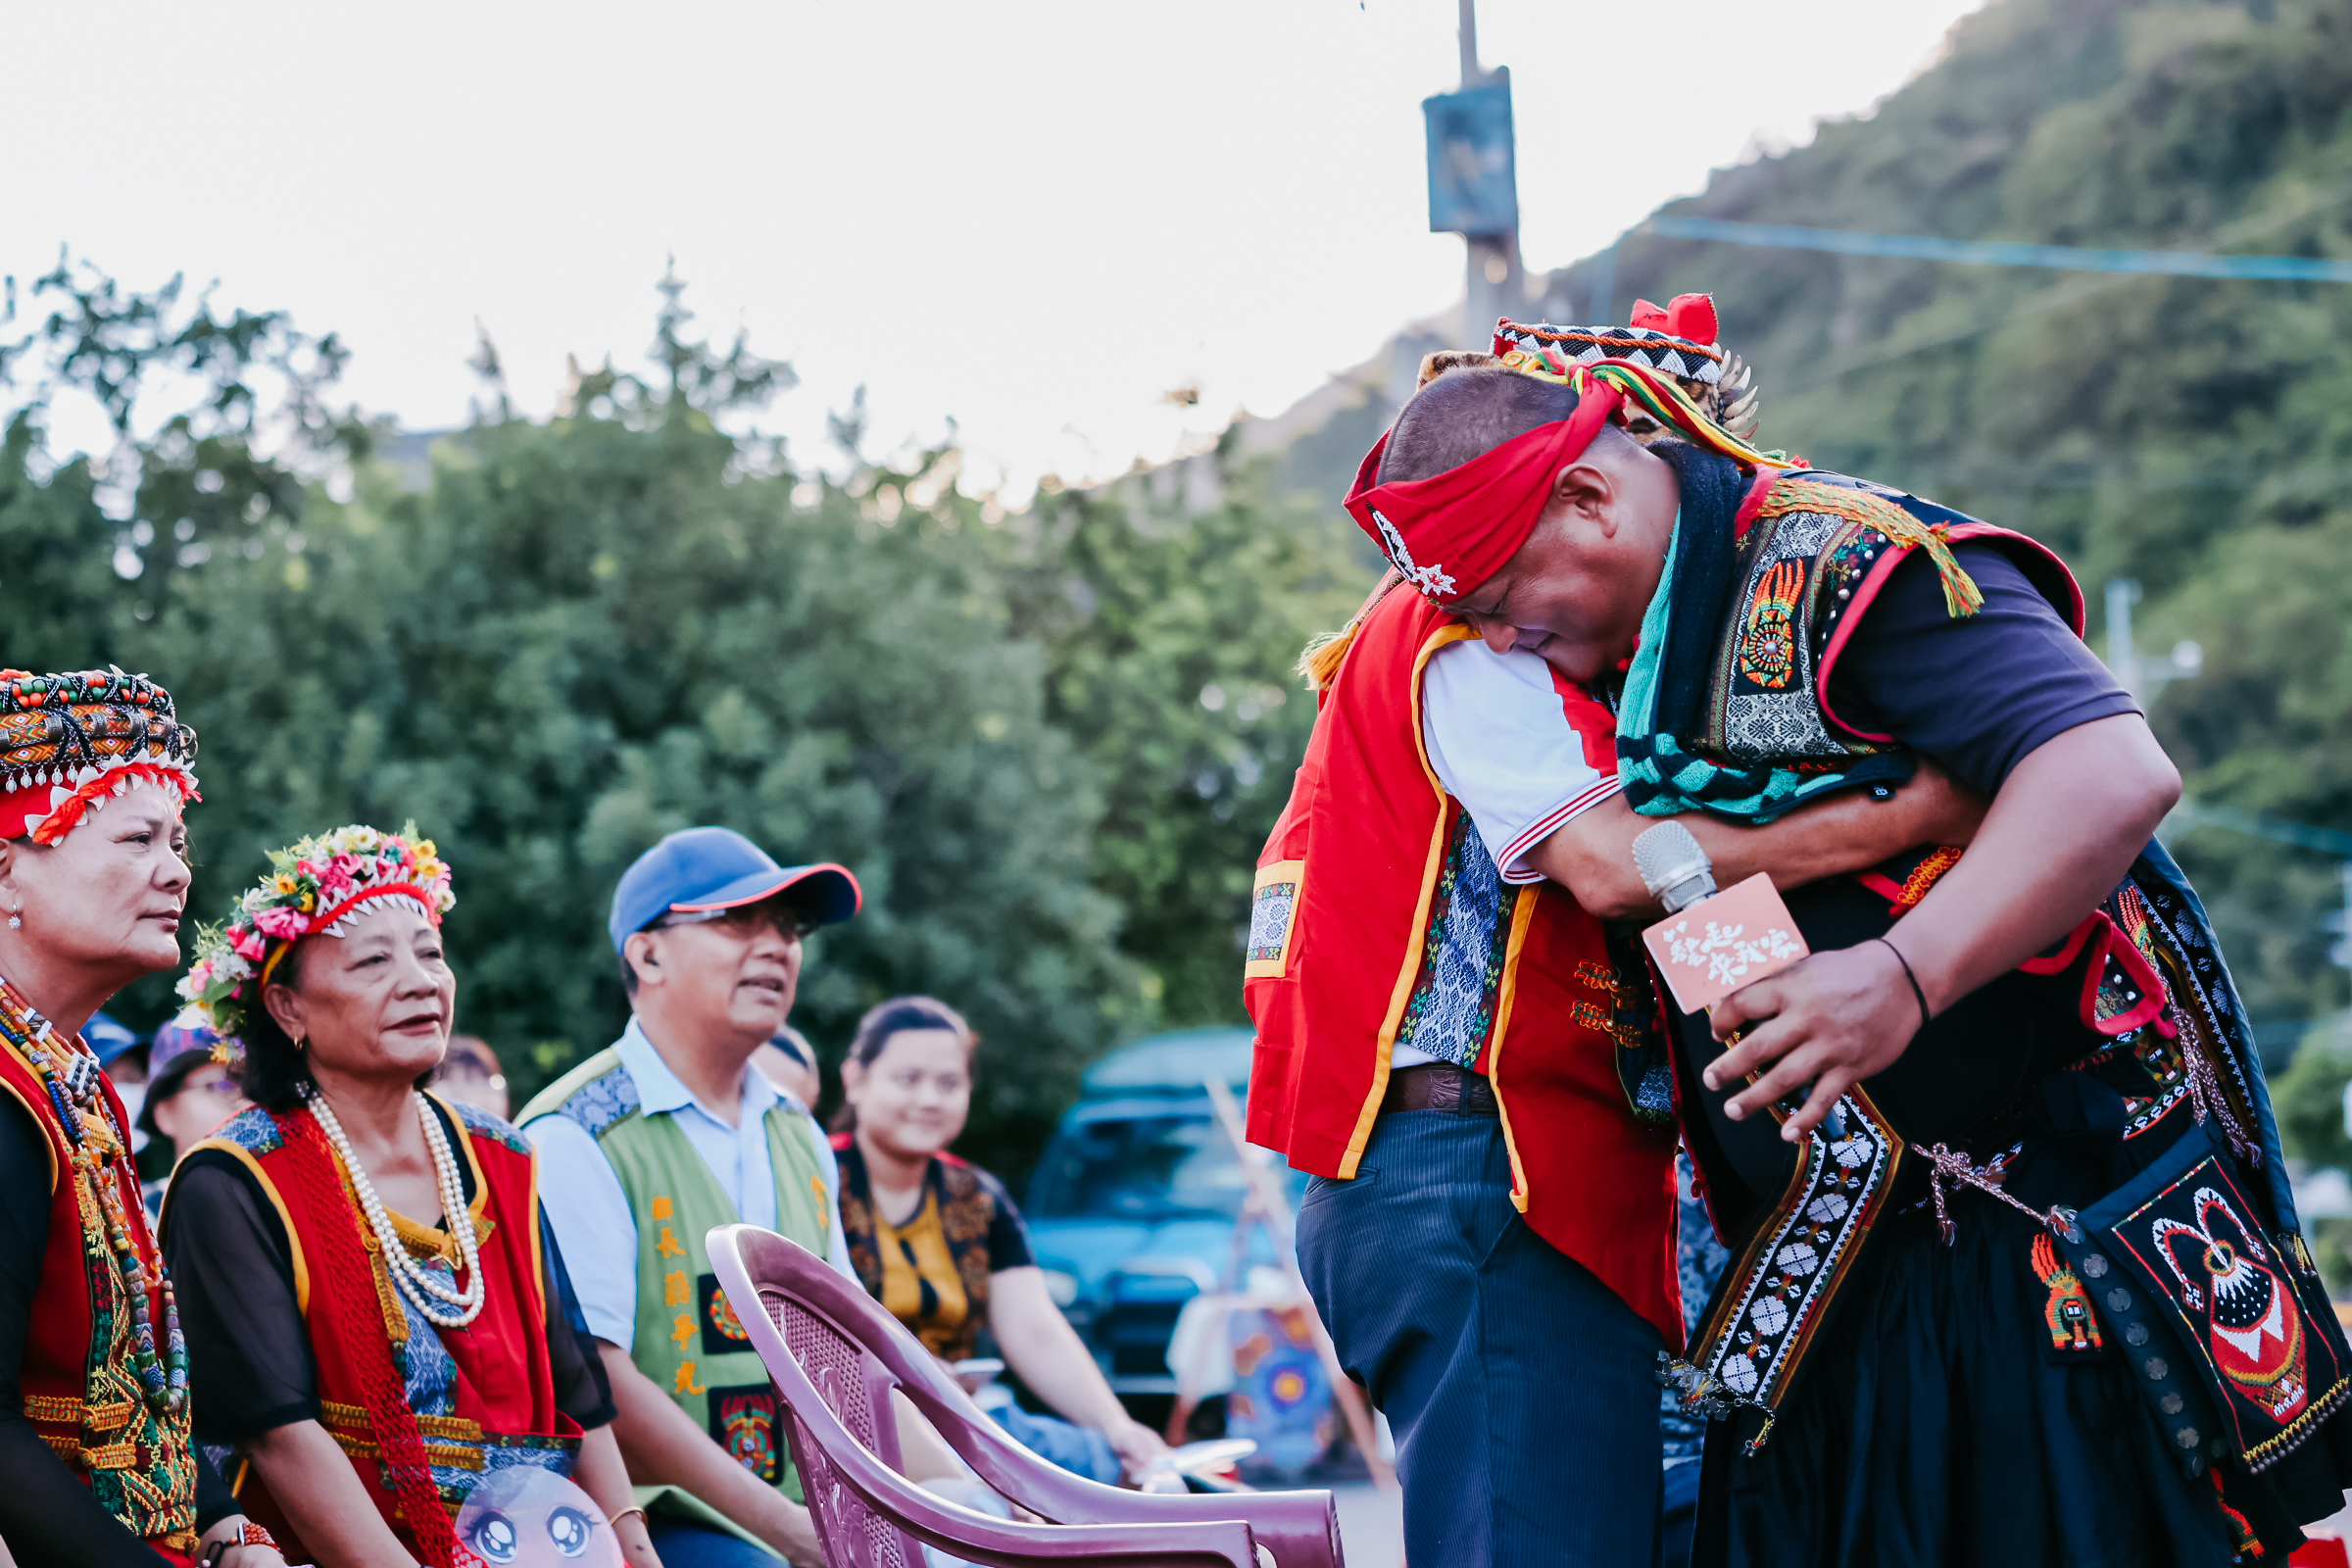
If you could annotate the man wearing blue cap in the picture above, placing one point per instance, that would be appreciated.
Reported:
(648, 1144)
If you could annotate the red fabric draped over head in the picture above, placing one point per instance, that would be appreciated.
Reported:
(1451, 531)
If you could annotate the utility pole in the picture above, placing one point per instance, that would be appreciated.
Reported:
(2142, 678)
(1472, 183)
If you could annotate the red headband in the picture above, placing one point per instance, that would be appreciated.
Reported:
(49, 811)
(1466, 522)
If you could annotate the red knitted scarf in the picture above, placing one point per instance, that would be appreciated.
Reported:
(352, 1288)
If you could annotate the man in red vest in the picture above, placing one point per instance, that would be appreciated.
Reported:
(1452, 1041)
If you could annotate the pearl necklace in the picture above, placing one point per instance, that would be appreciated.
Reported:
(422, 1289)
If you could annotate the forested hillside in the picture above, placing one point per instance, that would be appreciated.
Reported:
(2193, 434)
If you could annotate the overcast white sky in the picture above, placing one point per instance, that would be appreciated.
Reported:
(1034, 216)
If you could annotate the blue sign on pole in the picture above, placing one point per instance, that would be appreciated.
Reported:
(1472, 183)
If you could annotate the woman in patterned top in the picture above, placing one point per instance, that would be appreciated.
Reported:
(938, 1241)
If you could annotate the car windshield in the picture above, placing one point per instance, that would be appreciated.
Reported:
(1140, 1168)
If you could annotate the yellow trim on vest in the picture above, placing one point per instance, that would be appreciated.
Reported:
(1402, 992)
(538, 1243)
(481, 1187)
(48, 1149)
(302, 1268)
(354, 1418)
(1294, 872)
(65, 1410)
(1523, 915)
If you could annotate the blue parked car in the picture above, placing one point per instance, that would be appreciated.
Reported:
(1132, 1210)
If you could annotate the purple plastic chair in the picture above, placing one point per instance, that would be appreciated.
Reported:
(835, 1355)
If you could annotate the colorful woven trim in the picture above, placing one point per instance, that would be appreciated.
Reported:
(69, 742)
(1639, 385)
(1560, 349)
(1769, 1312)
(1794, 493)
(312, 889)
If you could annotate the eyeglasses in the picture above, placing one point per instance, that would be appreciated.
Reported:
(744, 919)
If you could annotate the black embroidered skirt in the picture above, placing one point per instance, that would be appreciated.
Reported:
(1938, 1424)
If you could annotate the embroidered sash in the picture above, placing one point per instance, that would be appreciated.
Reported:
(1782, 1286)
(1779, 1290)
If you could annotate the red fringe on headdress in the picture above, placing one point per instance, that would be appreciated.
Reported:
(66, 816)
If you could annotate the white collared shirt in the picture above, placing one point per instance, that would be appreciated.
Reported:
(590, 1212)
(1525, 750)
(1522, 747)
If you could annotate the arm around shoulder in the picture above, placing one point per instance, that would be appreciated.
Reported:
(1591, 855)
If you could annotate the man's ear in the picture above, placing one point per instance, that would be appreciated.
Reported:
(641, 953)
(1587, 491)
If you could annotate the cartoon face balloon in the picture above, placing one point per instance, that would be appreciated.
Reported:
(530, 1518)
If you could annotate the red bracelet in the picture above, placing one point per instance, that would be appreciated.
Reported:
(248, 1534)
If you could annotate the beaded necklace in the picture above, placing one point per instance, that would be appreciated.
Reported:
(417, 1283)
(69, 1073)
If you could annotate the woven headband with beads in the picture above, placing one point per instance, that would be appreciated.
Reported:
(71, 742)
(1679, 340)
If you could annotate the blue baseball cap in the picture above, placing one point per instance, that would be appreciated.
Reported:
(108, 1039)
(701, 869)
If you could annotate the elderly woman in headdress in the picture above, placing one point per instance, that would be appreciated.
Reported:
(380, 1318)
(94, 1438)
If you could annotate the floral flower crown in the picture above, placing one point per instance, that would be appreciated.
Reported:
(312, 889)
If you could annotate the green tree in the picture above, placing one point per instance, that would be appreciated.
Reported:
(568, 638)
(2190, 433)
(1171, 621)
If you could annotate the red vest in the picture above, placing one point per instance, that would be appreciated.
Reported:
(80, 1385)
(1341, 914)
(496, 1386)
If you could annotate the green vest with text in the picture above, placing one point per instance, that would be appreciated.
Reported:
(687, 1337)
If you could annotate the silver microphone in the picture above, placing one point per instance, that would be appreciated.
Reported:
(1673, 866)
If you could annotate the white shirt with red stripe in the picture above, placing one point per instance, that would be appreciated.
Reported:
(1524, 750)
(1522, 747)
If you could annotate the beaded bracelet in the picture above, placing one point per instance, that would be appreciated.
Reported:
(248, 1534)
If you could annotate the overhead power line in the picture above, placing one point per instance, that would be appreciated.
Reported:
(2002, 253)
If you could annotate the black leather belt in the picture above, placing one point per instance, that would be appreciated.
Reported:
(1438, 1086)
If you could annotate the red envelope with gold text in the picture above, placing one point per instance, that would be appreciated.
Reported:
(1733, 939)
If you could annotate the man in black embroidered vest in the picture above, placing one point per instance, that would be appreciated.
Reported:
(2015, 1275)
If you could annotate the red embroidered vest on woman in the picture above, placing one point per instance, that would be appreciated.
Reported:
(82, 1374)
(492, 1402)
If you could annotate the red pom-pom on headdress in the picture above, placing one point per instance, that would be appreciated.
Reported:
(1690, 316)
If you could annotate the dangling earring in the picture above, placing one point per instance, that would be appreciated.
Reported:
(15, 920)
